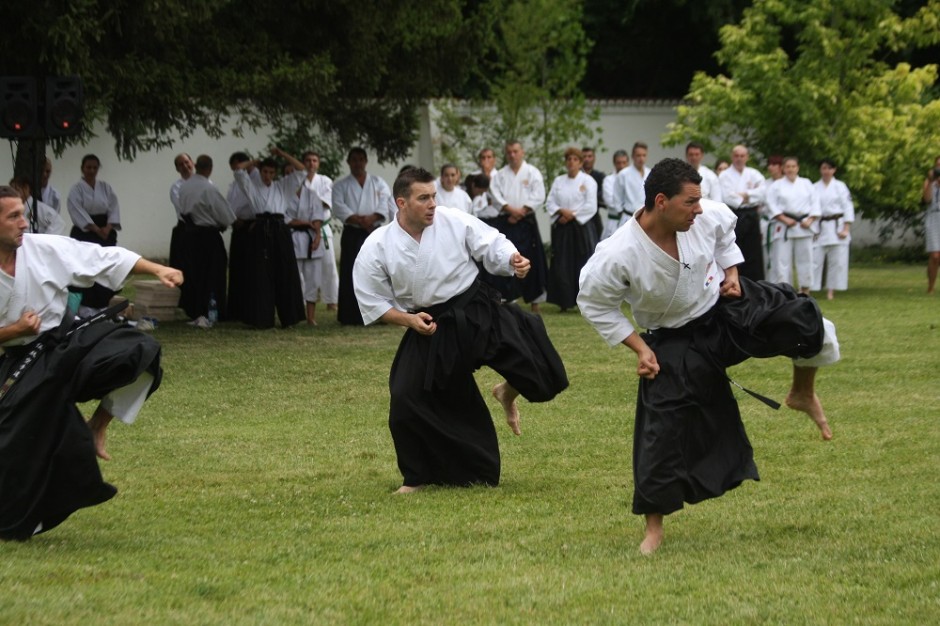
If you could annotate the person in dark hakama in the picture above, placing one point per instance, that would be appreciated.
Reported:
(183, 163)
(47, 450)
(419, 272)
(237, 293)
(572, 205)
(96, 218)
(675, 264)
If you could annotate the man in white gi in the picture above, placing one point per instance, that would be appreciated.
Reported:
(206, 215)
(47, 219)
(271, 281)
(793, 207)
(833, 231)
(711, 189)
(419, 272)
(360, 202)
(183, 163)
(621, 160)
(48, 468)
(449, 194)
(628, 190)
(519, 191)
(742, 189)
(49, 193)
(675, 265)
(239, 244)
(588, 168)
(307, 216)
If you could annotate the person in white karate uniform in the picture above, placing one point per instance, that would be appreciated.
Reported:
(50, 194)
(420, 272)
(694, 155)
(47, 219)
(48, 468)
(833, 231)
(793, 208)
(519, 191)
(675, 264)
(306, 216)
(621, 160)
(571, 205)
(628, 190)
(449, 193)
(361, 203)
(742, 189)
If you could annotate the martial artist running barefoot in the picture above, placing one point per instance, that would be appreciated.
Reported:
(47, 451)
(419, 272)
(675, 265)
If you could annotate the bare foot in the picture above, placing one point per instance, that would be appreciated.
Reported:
(99, 432)
(535, 307)
(654, 534)
(331, 307)
(407, 489)
(507, 397)
(311, 322)
(813, 408)
(831, 295)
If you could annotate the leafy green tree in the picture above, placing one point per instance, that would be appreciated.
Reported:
(155, 70)
(816, 79)
(529, 89)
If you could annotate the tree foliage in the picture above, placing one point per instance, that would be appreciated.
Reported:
(155, 70)
(529, 89)
(816, 79)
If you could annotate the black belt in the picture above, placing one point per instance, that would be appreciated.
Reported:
(829, 218)
(453, 308)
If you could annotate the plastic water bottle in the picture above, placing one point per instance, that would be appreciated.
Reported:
(213, 315)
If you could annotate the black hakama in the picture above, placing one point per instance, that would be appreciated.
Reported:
(524, 234)
(239, 245)
(748, 237)
(205, 270)
(440, 424)
(272, 281)
(178, 246)
(48, 468)
(572, 246)
(347, 309)
(689, 441)
(97, 296)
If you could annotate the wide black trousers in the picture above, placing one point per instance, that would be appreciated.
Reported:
(204, 266)
(271, 280)
(347, 309)
(525, 235)
(572, 246)
(440, 424)
(48, 468)
(689, 442)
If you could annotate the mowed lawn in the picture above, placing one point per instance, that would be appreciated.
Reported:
(256, 488)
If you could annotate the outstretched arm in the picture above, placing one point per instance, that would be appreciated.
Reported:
(169, 276)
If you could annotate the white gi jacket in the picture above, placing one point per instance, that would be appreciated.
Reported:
(204, 204)
(629, 192)
(711, 188)
(84, 202)
(48, 221)
(395, 271)
(523, 188)
(455, 199)
(661, 291)
(796, 199)
(269, 199)
(350, 198)
(748, 181)
(308, 206)
(578, 194)
(834, 199)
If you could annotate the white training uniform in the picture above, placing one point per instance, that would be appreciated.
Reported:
(829, 249)
(523, 188)
(273, 198)
(664, 292)
(238, 199)
(748, 181)
(329, 277)
(46, 265)
(607, 189)
(457, 198)
(629, 197)
(204, 203)
(175, 197)
(578, 194)
(792, 247)
(711, 188)
(482, 207)
(48, 220)
(395, 271)
(50, 195)
(350, 198)
(85, 201)
(307, 206)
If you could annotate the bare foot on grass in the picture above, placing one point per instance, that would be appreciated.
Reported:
(507, 397)
(99, 432)
(654, 534)
(409, 489)
(812, 407)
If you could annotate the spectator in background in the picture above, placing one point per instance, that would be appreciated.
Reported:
(711, 189)
(621, 160)
(598, 176)
(49, 194)
(833, 231)
(183, 164)
(449, 194)
(45, 220)
(794, 208)
(628, 190)
(742, 189)
(931, 195)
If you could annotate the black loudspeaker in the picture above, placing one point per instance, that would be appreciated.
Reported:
(65, 106)
(19, 110)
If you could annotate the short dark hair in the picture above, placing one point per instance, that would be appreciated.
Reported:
(21, 182)
(238, 157)
(775, 159)
(639, 144)
(309, 153)
(621, 153)
(357, 150)
(480, 181)
(402, 186)
(9, 192)
(829, 162)
(694, 144)
(90, 157)
(668, 177)
(447, 166)
(203, 163)
(268, 162)
(586, 149)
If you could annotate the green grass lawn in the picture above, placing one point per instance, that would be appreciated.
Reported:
(256, 488)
